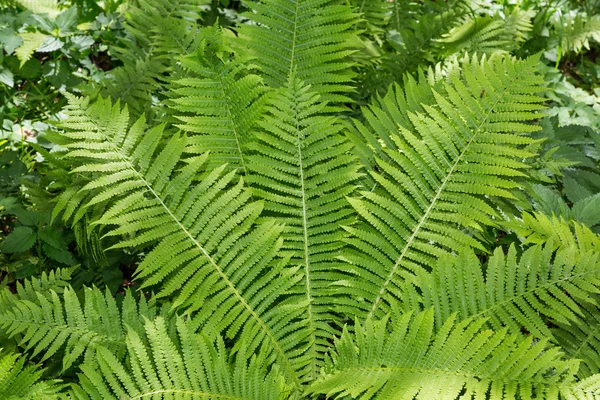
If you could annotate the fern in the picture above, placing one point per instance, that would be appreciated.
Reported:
(516, 292)
(577, 31)
(485, 35)
(226, 272)
(49, 323)
(20, 382)
(413, 361)
(310, 38)
(219, 102)
(438, 175)
(198, 369)
(303, 169)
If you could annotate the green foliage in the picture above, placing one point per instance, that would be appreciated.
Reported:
(300, 199)
(195, 368)
(20, 382)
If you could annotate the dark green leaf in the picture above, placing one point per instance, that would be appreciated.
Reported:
(19, 240)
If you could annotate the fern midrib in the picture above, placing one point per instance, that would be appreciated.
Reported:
(211, 260)
(291, 70)
(525, 293)
(431, 206)
(187, 392)
(233, 126)
(468, 375)
(311, 324)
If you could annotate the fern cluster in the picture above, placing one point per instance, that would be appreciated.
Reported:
(291, 244)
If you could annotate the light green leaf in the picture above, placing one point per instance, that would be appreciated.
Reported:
(31, 42)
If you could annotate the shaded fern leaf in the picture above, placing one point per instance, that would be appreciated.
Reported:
(518, 292)
(21, 382)
(50, 323)
(197, 369)
(435, 183)
(312, 38)
(412, 361)
(581, 340)
(218, 103)
(303, 168)
(487, 34)
(208, 253)
(577, 31)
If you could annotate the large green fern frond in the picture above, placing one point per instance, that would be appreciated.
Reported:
(310, 37)
(303, 168)
(517, 292)
(460, 359)
(198, 369)
(21, 382)
(218, 102)
(50, 323)
(440, 175)
(208, 252)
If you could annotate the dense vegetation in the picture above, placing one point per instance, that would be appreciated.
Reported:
(296, 199)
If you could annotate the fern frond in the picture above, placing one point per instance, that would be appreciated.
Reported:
(49, 323)
(218, 102)
(303, 169)
(197, 369)
(577, 31)
(581, 340)
(518, 292)
(208, 253)
(486, 35)
(374, 15)
(435, 183)
(538, 228)
(21, 382)
(311, 38)
(413, 361)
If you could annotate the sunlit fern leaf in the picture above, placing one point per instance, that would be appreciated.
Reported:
(198, 369)
(577, 31)
(538, 228)
(208, 253)
(435, 184)
(51, 324)
(413, 361)
(218, 103)
(49, 7)
(303, 169)
(486, 34)
(581, 340)
(22, 382)
(517, 292)
(311, 37)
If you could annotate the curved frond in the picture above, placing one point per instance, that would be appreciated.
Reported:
(440, 176)
(49, 323)
(312, 38)
(303, 169)
(21, 382)
(577, 31)
(197, 369)
(208, 253)
(412, 361)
